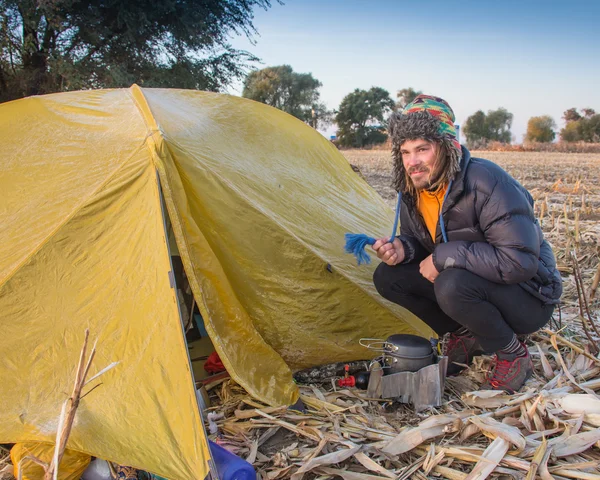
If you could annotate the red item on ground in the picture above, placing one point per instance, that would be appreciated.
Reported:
(348, 381)
(213, 364)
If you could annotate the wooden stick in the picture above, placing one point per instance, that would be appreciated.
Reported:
(67, 414)
(69, 409)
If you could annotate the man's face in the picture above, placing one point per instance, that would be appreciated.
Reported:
(418, 157)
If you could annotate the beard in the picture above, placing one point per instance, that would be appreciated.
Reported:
(423, 178)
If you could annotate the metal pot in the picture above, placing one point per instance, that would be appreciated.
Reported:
(407, 353)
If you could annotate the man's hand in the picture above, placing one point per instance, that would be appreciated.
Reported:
(428, 270)
(390, 253)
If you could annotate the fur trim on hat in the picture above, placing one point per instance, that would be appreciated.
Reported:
(414, 126)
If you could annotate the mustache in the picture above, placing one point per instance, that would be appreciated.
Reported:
(417, 168)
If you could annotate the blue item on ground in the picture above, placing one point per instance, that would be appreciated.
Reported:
(230, 466)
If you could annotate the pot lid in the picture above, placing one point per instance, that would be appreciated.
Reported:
(408, 346)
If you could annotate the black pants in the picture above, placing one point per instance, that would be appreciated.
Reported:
(491, 311)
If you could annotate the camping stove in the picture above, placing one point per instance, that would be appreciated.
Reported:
(408, 370)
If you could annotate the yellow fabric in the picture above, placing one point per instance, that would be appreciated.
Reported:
(71, 467)
(429, 208)
(83, 246)
(259, 204)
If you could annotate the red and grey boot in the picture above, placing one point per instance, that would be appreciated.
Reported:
(509, 374)
(460, 350)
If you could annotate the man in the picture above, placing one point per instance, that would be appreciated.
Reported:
(481, 271)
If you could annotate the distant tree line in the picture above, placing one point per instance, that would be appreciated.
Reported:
(361, 118)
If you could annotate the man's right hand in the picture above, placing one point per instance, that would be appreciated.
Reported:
(389, 253)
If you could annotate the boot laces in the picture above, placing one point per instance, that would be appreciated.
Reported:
(455, 342)
(501, 372)
(452, 342)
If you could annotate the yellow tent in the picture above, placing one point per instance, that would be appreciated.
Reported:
(259, 204)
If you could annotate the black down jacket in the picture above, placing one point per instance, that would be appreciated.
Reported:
(491, 230)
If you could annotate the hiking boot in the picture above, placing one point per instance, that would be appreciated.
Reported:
(460, 349)
(509, 374)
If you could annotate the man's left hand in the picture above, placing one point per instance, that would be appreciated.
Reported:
(428, 270)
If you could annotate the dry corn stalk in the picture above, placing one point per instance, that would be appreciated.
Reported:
(490, 460)
(595, 284)
(369, 464)
(576, 443)
(433, 427)
(325, 460)
(486, 398)
(501, 430)
(537, 460)
(349, 475)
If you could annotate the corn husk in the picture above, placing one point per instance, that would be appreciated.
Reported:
(413, 437)
(501, 430)
(325, 460)
(582, 403)
(576, 443)
(490, 460)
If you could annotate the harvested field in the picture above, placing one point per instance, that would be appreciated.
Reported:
(551, 429)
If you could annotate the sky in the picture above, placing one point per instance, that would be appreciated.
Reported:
(531, 57)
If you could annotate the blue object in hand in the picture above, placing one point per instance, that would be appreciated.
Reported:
(356, 243)
(230, 466)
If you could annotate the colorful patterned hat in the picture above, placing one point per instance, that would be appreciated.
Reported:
(439, 108)
(430, 118)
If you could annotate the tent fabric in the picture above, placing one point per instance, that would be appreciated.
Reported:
(259, 204)
(71, 466)
(83, 247)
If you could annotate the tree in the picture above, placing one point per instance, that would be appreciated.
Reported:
(588, 112)
(405, 96)
(321, 116)
(498, 125)
(570, 133)
(481, 128)
(540, 129)
(571, 115)
(62, 45)
(361, 117)
(589, 128)
(581, 128)
(475, 130)
(294, 93)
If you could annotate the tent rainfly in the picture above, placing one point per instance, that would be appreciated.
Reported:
(259, 203)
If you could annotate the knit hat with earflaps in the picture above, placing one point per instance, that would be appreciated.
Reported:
(429, 118)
